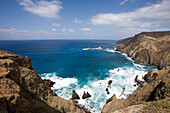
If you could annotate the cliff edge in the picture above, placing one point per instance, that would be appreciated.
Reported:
(148, 47)
(23, 91)
(153, 93)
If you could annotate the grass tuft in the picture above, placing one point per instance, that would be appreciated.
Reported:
(160, 103)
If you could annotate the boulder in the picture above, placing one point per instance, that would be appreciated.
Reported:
(109, 83)
(107, 90)
(86, 95)
(75, 95)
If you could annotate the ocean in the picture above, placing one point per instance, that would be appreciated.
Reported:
(71, 66)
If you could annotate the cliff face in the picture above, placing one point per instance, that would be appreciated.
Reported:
(153, 94)
(148, 47)
(23, 91)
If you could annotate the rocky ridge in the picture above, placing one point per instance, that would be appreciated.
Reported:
(153, 94)
(148, 47)
(23, 91)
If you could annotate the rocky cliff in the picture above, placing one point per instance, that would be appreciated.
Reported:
(23, 91)
(148, 47)
(152, 97)
(152, 94)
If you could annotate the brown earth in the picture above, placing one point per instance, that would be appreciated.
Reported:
(148, 47)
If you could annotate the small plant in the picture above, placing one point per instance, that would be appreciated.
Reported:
(160, 103)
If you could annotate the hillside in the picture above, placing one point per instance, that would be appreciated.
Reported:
(148, 47)
(23, 91)
(153, 93)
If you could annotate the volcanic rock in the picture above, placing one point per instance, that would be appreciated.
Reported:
(86, 95)
(107, 90)
(109, 83)
(75, 95)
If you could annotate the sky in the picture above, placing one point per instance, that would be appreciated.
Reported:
(81, 19)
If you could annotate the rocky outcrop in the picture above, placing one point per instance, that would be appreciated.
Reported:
(48, 82)
(154, 90)
(109, 86)
(86, 95)
(74, 95)
(148, 47)
(151, 48)
(23, 91)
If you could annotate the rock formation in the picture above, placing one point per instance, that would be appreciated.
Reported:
(86, 95)
(153, 94)
(154, 90)
(75, 95)
(109, 86)
(148, 47)
(23, 91)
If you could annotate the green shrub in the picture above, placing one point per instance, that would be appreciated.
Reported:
(160, 103)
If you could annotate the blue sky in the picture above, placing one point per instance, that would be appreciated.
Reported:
(81, 19)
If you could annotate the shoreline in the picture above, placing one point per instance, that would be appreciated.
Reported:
(20, 84)
(140, 49)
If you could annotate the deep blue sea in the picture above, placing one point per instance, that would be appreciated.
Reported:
(71, 66)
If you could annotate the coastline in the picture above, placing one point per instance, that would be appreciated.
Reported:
(31, 89)
(155, 87)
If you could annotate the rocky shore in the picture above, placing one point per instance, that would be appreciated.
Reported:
(23, 91)
(148, 47)
(152, 94)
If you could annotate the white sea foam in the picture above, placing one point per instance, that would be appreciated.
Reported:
(121, 77)
(124, 54)
(59, 81)
(110, 50)
(99, 48)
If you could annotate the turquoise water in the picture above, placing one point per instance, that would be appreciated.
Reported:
(71, 67)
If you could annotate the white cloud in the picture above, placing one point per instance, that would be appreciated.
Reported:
(71, 30)
(77, 21)
(89, 34)
(149, 17)
(42, 8)
(27, 32)
(123, 2)
(14, 31)
(64, 29)
(53, 29)
(85, 29)
(22, 34)
(55, 24)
